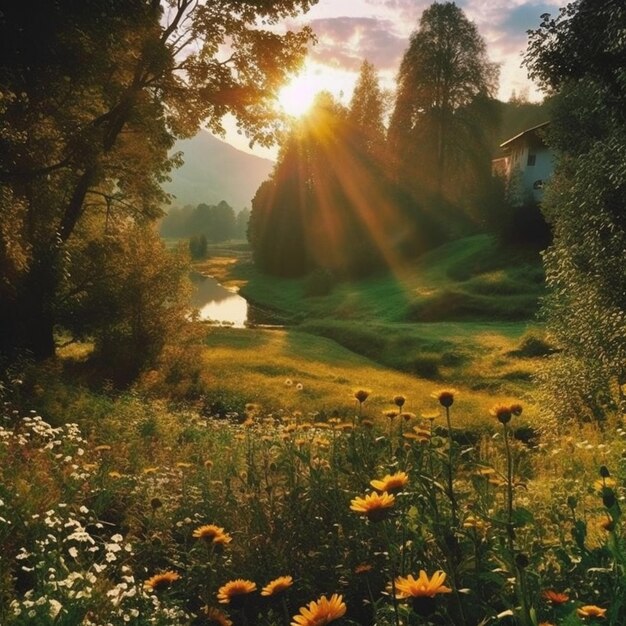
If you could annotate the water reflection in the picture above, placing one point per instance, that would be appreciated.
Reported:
(216, 303)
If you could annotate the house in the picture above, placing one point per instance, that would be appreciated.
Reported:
(527, 162)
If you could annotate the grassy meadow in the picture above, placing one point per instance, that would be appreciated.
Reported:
(356, 465)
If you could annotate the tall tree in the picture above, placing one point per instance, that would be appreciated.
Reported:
(92, 95)
(322, 206)
(444, 81)
(367, 109)
(579, 58)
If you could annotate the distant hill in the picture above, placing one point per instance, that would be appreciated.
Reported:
(215, 171)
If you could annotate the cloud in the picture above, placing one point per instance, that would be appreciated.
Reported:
(347, 41)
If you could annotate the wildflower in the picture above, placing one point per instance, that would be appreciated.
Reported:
(213, 534)
(288, 382)
(208, 464)
(502, 413)
(362, 395)
(590, 610)
(374, 506)
(603, 483)
(399, 401)
(103, 448)
(215, 617)
(363, 568)
(391, 482)
(475, 523)
(555, 597)
(114, 475)
(391, 414)
(278, 585)
(408, 416)
(160, 581)
(445, 397)
(321, 612)
(184, 465)
(421, 591)
(422, 586)
(516, 409)
(150, 470)
(235, 590)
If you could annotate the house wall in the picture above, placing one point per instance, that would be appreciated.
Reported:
(540, 171)
(529, 175)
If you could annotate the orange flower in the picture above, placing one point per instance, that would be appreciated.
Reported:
(213, 534)
(590, 610)
(235, 590)
(363, 568)
(362, 395)
(445, 397)
(278, 585)
(502, 413)
(391, 482)
(215, 617)
(421, 587)
(374, 506)
(555, 597)
(321, 612)
(160, 581)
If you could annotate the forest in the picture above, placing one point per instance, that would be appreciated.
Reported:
(421, 419)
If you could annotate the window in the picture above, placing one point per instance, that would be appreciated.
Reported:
(531, 159)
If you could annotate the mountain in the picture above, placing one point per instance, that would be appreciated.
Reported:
(215, 171)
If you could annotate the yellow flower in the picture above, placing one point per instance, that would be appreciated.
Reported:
(278, 585)
(475, 523)
(183, 465)
(502, 413)
(391, 414)
(421, 587)
(374, 506)
(391, 482)
(601, 483)
(321, 612)
(160, 581)
(590, 610)
(215, 617)
(213, 534)
(399, 401)
(445, 397)
(362, 395)
(235, 590)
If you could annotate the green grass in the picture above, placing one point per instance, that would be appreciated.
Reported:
(455, 316)
(253, 365)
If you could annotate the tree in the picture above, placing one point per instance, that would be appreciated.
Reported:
(367, 109)
(92, 95)
(322, 207)
(578, 58)
(437, 129)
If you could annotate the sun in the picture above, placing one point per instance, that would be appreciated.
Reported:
(297, 96)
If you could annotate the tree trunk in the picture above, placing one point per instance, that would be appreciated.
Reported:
(27, 316)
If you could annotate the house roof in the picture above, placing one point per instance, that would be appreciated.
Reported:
(524, 132)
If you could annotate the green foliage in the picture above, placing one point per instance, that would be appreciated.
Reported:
(216, 223)
(440, 127)
(327, 204)
(90, 520)
(93, 95)
(585, 205)
(198, 247)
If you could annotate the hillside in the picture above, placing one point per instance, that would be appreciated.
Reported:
(215, 171)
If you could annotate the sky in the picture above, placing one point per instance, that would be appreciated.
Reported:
(349, 31)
